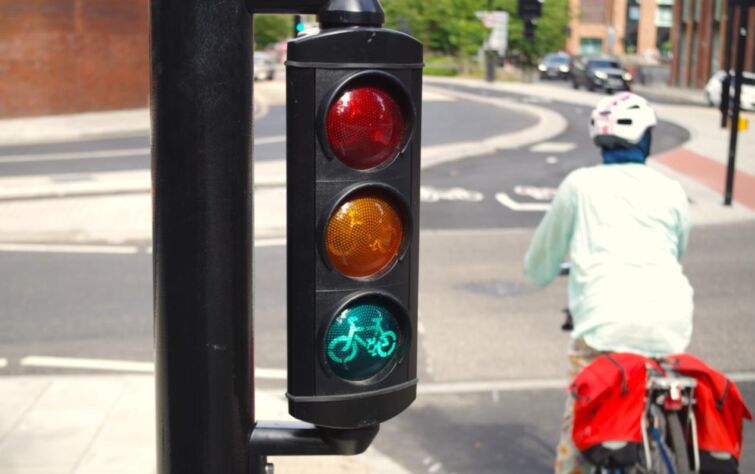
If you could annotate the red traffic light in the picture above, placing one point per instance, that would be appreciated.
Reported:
(365, 126)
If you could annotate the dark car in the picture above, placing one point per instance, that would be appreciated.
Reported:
(600, 73)
(554, 66)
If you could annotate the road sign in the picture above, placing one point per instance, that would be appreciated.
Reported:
(353, 98)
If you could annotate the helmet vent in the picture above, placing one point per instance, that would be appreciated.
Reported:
(624, 121)
(635, 106)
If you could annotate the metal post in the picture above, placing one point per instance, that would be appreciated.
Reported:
(202, 232)
(726, 83)
(741, 47)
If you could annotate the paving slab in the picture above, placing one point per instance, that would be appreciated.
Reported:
(105, 424)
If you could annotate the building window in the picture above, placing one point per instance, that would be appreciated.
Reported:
(590, 46)
(664, 16)
(632, 27)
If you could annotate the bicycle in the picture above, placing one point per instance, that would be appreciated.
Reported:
(668, 421)
(381, 344)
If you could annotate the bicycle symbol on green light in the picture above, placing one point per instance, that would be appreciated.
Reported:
(376, 341)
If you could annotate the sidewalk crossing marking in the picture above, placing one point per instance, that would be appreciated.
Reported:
(506, 201)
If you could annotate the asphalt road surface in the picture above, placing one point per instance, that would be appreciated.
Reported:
(491, 352)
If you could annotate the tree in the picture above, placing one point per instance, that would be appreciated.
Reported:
(269, 29)
(451, 27)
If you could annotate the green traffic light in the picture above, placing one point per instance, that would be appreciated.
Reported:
(362, 341)
(299, 27)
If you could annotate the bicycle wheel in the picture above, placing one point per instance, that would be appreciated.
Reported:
(678, 443)
(342, 349)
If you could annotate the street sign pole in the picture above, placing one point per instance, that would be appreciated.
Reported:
(726, 83)
(741, 47)
(202, 232)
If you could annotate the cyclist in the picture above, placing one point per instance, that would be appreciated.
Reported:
(625, 227)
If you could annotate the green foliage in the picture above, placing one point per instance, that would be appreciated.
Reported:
(440, 66)
(269, 29)
(451, 27)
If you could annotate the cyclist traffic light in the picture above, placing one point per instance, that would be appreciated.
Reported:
(298, 25)
(353, 151)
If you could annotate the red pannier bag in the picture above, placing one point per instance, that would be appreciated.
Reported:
(609, 401)
(719, 413)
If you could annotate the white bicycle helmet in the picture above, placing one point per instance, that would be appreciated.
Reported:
(621, 120)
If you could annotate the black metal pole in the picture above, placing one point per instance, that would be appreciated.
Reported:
(741, 47)
(202, 232)
(726, 83)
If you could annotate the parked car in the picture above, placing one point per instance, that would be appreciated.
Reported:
(264, 66)
(712, 91)
(600, 73)
(554, 66)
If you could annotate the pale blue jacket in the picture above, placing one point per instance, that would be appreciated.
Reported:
(625, 227)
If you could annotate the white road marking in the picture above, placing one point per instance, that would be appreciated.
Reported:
(107, 249)
(270, 374)
(435, 95)
(742, 376)
(3, 363)
(506, 201)
(120, 366)
(64, 248)
(540, 193)
(75, 155)
(551, 160)
(269, 140)
(430, 194)
(536, 100)
(553, 147)
(91, 364)
(100, 154)
(270, 242)
(452, 388)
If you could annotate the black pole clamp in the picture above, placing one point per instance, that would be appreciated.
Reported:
(303, 439)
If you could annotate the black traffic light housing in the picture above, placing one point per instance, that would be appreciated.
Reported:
(529, 9)
(320, 69)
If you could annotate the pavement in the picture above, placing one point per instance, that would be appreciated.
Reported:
(105, 423)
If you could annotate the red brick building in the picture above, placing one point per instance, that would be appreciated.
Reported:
(697, 36)
(67, 56)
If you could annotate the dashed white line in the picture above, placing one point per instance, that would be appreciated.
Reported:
(65, 248)
(506, 201)
(3, 363)
(553, 147)
(551, 160)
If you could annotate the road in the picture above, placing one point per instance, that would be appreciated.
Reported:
(491, 353)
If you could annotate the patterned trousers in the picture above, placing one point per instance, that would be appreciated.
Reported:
(568, 458)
